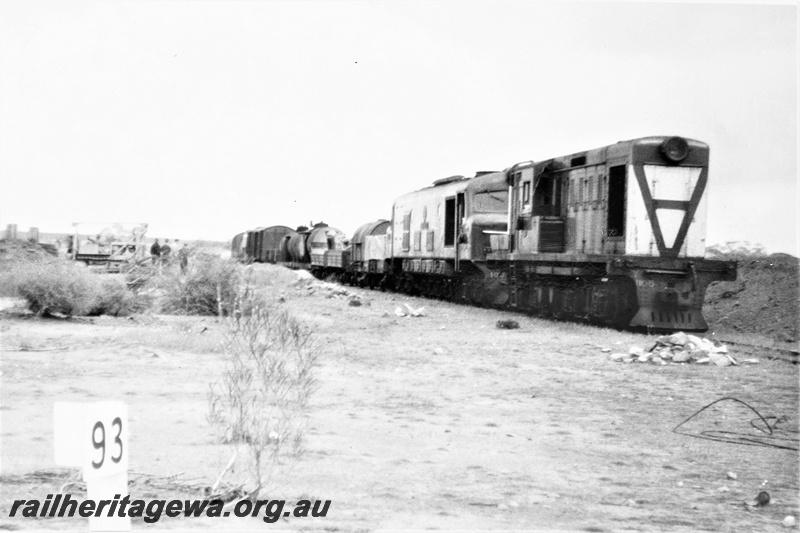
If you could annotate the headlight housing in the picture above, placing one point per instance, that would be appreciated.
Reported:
(675, 149)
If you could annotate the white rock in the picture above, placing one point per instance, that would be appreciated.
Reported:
(706, 345)
(719, 359)
(415, 312)
(679, 338)
(681, 357)
(789, 521)
(697, 341)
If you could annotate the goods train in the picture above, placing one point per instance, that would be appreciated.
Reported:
(613, 236)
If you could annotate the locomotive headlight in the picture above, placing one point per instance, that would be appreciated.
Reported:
(675, 149)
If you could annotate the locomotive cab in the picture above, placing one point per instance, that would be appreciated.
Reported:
(486, 214)
(536, 209)
(614, 235)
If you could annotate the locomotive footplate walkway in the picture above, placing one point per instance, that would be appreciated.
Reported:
(562, 262)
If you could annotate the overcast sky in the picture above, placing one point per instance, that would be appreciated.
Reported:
(204, 119)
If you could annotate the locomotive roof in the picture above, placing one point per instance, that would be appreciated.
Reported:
(370, 228)
(596, 156)
(494, 181)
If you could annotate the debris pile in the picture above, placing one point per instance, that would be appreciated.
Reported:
(312, 285)
(679, 348)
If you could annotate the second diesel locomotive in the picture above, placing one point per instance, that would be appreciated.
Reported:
(612, 236)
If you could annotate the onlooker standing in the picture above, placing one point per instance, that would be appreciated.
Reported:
(183, 258)
(165, 251)
(155, 252)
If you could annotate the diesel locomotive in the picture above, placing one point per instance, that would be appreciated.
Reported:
(613, 236)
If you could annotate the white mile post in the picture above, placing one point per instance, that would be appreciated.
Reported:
(94, 437)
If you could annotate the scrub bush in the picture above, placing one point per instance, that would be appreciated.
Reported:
(261, 401)
(62, 287)
(53, 286)
(114, 298)
(209, 287)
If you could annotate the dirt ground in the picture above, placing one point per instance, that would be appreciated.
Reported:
(764, 300)
(441, 421)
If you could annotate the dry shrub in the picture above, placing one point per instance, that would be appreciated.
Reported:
(52, 286)
(56, 286)
(261, 401)
(114, 298)
(209, 287)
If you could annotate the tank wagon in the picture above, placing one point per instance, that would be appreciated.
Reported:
(613, 236)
